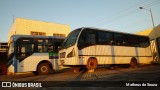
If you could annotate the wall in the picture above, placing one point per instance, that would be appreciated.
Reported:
(25, 26)
(153, 33)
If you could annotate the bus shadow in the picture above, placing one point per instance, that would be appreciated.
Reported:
(80, 76)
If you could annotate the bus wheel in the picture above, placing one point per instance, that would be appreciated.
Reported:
(91, 64)
(133, 63)
(43, 68)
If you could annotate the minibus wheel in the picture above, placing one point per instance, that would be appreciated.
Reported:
(43, 68)
(91, 63)
(133, 63)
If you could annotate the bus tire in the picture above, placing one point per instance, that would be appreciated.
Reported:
(43, 69)
(91, 63)
(133, 63)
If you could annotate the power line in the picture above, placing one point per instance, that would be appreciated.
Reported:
(129, 13)
(123, 13)
(153, 3)
(120, 16)
(115, 14)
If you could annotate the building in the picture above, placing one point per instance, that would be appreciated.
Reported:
(23, 26)
(154, 35)
(3, 57)
(3, 46)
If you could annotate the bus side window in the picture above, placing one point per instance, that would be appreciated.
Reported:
(105, 38)
(133, 41)
(87, 38)
(120, 39)
(25, 48)
(90, 37)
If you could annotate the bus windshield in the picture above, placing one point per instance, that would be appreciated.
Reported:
(71, 39)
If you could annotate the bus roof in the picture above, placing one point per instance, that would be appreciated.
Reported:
(15, 37)
(112, 31)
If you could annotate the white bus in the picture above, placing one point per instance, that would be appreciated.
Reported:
(90, 47)
(33, 53)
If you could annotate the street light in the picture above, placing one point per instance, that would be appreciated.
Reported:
(150, 13)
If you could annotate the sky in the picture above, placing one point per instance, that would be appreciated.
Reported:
(117, 15)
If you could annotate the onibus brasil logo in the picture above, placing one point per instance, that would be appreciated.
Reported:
(20, 84)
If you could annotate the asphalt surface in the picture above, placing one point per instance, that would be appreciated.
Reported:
(101, 78)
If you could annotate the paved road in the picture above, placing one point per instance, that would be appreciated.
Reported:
(143, 73)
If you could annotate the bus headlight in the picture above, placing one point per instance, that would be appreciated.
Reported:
(71, 54)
